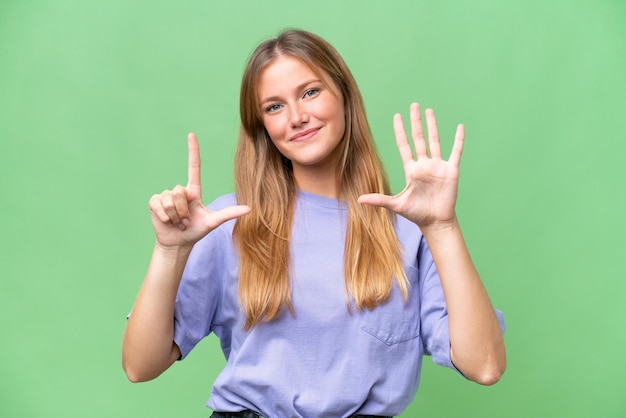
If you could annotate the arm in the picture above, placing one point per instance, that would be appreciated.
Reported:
(179, 219)
(429, 200)
(148, 347)
(476, 341)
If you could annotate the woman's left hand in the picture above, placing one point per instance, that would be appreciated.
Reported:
(476, 343)
(429, 197)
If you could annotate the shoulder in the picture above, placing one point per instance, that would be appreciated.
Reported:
(406, 229)
(410, 237)
(223, 202)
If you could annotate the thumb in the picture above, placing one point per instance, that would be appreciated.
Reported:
(377, 199)
(229, 213)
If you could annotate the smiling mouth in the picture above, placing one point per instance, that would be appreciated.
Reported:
(304, 135)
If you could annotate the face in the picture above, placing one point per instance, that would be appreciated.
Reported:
(303, 114)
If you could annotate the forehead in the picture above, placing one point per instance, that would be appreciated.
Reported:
(287, 72)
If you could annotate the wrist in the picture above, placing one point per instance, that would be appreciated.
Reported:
(172, 251)
(440, 227)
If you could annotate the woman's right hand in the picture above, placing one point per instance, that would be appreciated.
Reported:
(179, 217)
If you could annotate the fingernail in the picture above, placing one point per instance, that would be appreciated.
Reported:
(186, 221)
(182, 227)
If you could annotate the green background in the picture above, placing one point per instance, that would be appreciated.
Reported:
(96, 99)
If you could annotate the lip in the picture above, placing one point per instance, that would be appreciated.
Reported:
(304, 135)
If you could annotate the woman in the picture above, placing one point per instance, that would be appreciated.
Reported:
(324, 290)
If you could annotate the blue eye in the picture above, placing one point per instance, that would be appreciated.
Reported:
(311, 93)
(272, 108)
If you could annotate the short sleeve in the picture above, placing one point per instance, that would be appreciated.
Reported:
(200, 292)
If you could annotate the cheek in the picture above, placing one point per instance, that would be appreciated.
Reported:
(274, 128)
(339, 121)
(276, 133)
(333, 110)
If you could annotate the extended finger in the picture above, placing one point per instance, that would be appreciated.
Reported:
(226, 214)
(417, 131)
(406, 154)
(193, 177)
(378, 199)
(457, 148)
(433, 134)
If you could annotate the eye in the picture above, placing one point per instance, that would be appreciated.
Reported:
(272, 108)
(311, 93)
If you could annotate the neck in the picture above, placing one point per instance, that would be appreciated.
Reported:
(322, 183)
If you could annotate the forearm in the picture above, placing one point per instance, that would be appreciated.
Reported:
(476, 342)
(148, 346)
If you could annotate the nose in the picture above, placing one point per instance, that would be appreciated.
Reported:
(298, 115)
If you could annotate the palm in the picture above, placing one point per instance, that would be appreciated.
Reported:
(431, 183)
(179, 217)
(201, 222)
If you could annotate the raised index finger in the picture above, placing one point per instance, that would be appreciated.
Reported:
(401, 141)
(193, 179)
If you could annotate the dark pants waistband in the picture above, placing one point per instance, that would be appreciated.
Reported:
(242, 414)
(252, 414)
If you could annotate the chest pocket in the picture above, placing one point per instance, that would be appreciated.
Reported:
(396, 321)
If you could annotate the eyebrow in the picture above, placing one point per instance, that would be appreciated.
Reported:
(299, 87)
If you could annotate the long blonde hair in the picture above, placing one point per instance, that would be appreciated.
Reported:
(264, 181)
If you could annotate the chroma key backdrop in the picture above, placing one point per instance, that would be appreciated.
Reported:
(97, 98)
